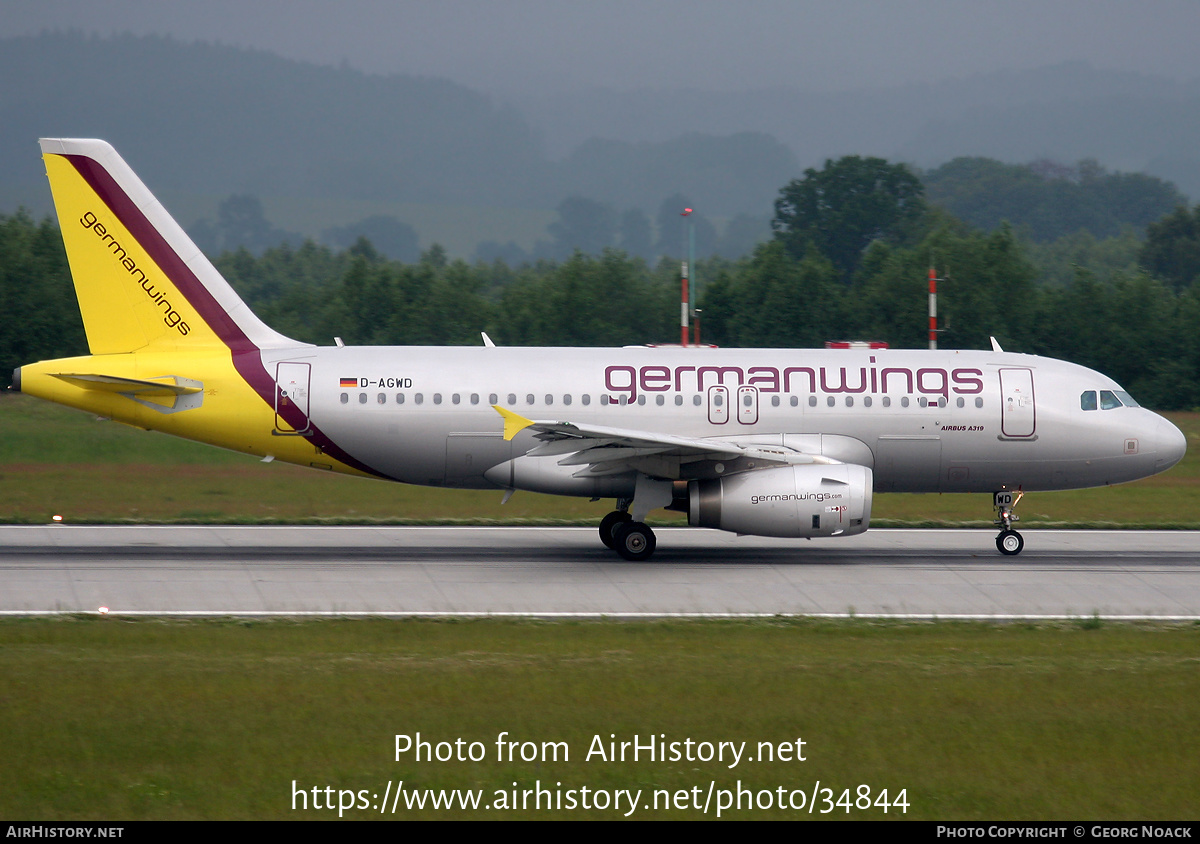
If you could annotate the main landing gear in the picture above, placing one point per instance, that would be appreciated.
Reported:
(632, 540)
(1008, 542)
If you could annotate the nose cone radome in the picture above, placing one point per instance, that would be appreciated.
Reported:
(1170, 445)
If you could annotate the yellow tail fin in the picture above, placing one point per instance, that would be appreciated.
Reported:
(141, 282)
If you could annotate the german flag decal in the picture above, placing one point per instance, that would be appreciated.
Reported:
(349, 382)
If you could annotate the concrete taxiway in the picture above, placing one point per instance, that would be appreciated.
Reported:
(565, 571)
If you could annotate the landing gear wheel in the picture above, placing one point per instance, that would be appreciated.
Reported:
(609, 524)
(634, 541)
(1009, 542)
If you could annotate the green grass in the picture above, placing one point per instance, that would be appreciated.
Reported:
(54, 460)
(120, 720)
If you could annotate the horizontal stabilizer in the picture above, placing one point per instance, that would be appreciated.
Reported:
(164, 387)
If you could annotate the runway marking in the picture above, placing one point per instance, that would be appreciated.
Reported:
(618, 616)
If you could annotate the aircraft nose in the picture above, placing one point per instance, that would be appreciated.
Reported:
(1170, 445)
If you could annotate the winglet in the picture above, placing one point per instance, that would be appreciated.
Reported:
(995, 345)
(514, 423)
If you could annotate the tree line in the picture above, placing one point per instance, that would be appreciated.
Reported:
(849, 258)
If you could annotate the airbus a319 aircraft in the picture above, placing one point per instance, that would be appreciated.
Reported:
(772, 442)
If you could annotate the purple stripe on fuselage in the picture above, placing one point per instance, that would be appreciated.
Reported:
(247, 357)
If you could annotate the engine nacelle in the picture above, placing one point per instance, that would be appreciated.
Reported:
(792, 501)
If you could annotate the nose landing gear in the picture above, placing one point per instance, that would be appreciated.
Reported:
(1008, 542)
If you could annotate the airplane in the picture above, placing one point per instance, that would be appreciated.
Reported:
(771, 442)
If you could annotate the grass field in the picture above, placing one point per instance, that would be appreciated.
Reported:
(54, 460)
(115, 719)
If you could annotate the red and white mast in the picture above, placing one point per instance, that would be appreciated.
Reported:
(684, 301)
(932, 309)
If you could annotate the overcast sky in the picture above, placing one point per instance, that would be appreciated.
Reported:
(531, 46)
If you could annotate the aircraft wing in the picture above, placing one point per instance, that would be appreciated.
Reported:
(601, 450)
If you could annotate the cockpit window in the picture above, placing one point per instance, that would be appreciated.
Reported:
(1087, 400)
(1126, 399)
(1109, 400)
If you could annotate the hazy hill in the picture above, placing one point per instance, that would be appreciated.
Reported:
(212, 119)
(201, 122)
(1068, 112)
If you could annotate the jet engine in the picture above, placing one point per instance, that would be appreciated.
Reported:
(791, 501)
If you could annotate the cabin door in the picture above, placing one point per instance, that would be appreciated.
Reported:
(1018, 415)
(291, 398)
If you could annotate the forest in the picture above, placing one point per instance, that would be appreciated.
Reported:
(848, 258)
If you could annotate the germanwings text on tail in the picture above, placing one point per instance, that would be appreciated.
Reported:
(772, 442)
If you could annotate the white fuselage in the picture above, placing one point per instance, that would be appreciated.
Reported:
(923, 421)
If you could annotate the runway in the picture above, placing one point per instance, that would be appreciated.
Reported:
(459, 571)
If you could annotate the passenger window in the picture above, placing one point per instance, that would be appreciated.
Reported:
(867, 401)
(774, 401)
(660, 400)
(474, 398)
(849, 401)
(831, 401)
(812, 401)
(437, 398)
(696, 401)
(512, 398)
(959, 401)
(381, 398)
(529, 398)
(345, 398)
(1108, 400)
(904, 401)
(455, 398)
(604, 398)
(586, 399)
(641, 400)
(718, 399)
(887, 401)
(795, 401)
(1087, 400)
(567, 398)
(418, 398)
(549, 399)
(923, 401)
(399, 398)
(679, 401)
(362, 398)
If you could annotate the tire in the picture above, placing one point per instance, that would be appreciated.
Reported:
(1010, 543)
(634, 541)
(609, 524)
